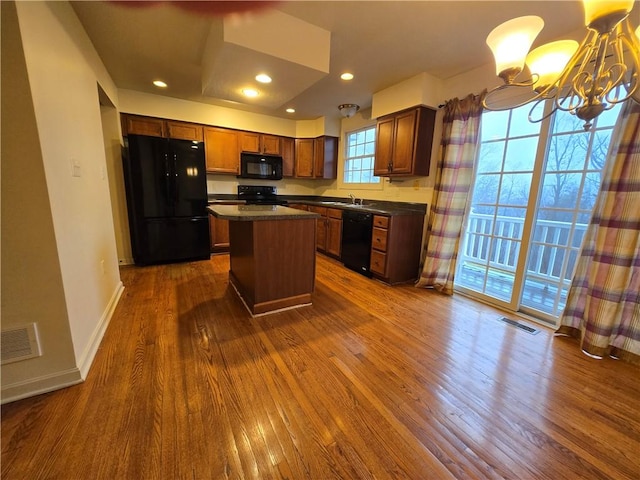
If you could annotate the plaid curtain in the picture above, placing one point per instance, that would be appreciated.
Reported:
(603, 306)
(453, 182)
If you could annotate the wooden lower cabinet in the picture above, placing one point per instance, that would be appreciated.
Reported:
(396, 246)
(329, 230)
(334, 232)
(219, 234)
(321, 226)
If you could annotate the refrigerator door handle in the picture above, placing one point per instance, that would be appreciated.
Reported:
(167, 173)
(176, 193)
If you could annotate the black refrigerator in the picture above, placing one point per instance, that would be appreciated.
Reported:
(166, 188)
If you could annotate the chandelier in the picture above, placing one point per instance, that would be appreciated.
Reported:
(583, 79)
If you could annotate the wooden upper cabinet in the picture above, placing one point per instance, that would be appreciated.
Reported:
(316, 157)
(271, 144)
(138, 125)
(249, 142)
(326, 157)
(288, 156)
(404, 141)
(158, 127)
(260, 143)
(222, 150)
(384, 146)
(304, 157)
(185, 131)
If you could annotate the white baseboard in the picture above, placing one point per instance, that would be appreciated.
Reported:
(86, 359)
(39, 385)
(65, 378)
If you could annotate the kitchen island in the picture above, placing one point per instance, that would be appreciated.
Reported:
(272, 255)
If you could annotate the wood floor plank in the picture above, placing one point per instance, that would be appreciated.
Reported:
(371, 381)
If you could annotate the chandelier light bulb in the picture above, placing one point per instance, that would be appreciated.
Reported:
(548, 61)
(510, 43)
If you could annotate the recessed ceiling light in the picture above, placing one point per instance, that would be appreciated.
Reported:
(263, 78)
(346, 76)
(160, 83)
(250, 92)
(290, 110)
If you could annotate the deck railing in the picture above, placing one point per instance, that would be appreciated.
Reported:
(553, 242)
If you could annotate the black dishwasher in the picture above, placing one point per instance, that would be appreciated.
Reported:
(357, 228)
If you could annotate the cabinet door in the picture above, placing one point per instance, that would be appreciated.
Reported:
(222, 153)
(271, 144)
(318, 157)
(288, 156)
(321, 227)
(304, 157)
(334, 235)
(249, 142)
(184, 131)
(325, 153)
(384, 146)
(152, 127)
(404, 142)
(219, 232)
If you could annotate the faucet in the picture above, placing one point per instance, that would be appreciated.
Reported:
(353, 198)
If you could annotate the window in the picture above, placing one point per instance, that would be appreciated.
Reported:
(535, 187)
(360, 156)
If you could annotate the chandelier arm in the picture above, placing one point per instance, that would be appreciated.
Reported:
(545, 116)
(485, 105)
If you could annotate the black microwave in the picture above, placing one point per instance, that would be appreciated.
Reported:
(255, 165)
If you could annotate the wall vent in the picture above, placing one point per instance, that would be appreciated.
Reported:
(19, 343)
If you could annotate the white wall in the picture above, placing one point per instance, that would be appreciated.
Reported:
(63, 72)
(32, 288)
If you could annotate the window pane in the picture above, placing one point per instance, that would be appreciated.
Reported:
(494, 125)
(520, 124)
(521, 155)
(490, 158)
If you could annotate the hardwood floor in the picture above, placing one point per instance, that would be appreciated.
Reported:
(370, 382)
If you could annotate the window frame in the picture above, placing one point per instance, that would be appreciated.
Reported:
(347, 158)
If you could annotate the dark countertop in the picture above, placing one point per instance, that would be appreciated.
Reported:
(380, 207)
(250, 213)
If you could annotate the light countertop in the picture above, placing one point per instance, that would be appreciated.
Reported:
(250, 213)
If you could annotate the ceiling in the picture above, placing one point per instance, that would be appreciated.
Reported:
(381, 42)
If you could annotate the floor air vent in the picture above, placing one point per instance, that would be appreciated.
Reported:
(519, 325)
(19, 343)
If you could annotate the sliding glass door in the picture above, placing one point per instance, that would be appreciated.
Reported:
(534, 190)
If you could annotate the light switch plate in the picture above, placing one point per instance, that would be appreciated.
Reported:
(76, 170)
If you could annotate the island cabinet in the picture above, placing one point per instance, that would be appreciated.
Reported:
(267, 280)
(403, 142)
(316, 157)
(222, 150)
(219, 234)
(158, 127)
(396, 247)
(260, 143)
